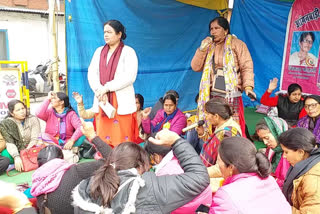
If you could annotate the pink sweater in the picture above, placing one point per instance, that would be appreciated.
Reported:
(176, 124)
(248, 193)
(73, 123)
(169, 165)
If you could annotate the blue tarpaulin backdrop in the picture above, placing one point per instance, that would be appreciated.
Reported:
(165, 35)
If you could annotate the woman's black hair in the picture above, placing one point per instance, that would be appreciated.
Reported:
(117, 27)
(170, 97)
(156, 149)
(220, 107)
(11, 106)
(298, 138)
(63, 97)
(314, 97)
(242, 154)
(262, 124)
(222, 22)
(141, 100)
(48, 153)
(293, 87)
(305, 34)
(105, 181)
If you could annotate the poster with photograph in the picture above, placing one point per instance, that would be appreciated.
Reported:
(301, 55)
(10, 89)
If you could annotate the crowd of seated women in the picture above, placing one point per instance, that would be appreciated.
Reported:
(166, 175)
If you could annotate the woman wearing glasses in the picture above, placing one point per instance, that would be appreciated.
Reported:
(303, 57)
(311, 121)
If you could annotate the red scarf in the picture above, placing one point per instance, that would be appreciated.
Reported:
(107, 71)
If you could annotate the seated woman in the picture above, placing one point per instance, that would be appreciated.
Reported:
(20, 131)
(170, 117)
(139, 103)
(268, 130)
(165, 163)
(4, 161)
(301, 187)
(62, 123)
(311, 121)
(247, 188)
(219, 115)
(290, 106)
(54, 180)
(124, 185)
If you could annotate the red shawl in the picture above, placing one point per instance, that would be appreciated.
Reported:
(107, 71)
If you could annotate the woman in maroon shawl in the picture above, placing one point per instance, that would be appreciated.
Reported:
(111, 74)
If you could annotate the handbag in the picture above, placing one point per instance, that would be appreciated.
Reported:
(69, 156)
(218, 82)
(86, 150)
(29, 158)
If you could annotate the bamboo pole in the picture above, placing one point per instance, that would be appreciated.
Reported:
(53, 45)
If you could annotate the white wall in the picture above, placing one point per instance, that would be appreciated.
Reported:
(28, 38)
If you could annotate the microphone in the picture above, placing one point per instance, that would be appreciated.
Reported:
(212, 37)
(192, 126)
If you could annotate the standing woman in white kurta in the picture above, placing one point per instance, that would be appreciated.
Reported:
(111, 74)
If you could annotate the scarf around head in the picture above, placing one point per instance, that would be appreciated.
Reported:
(166, 118)
(276, 126)
(230, 75)
(47, 178)
(108, 69)
(298, 170)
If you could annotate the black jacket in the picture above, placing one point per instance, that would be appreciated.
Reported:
(59, 201)
(161, 194)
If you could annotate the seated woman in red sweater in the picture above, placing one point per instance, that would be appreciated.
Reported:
(290, 106)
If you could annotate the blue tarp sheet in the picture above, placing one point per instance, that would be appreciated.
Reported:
(262, 24)
(165, 35)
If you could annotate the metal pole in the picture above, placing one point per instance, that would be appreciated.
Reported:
(53, 45)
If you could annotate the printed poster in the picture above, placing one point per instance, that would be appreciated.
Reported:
(10, 89)
(301, 55)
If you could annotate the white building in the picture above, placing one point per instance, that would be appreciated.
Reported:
(24, 36)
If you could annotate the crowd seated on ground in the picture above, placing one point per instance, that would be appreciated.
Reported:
(178, 181)
(290, 105)
(20, 130)
(268, 130)
(124, 185)
(54, 180)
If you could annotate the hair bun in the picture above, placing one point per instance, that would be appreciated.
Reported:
(264, 166)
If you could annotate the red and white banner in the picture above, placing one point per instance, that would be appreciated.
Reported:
(301, 54)
(10, 89)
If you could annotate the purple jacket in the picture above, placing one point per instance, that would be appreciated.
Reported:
(73, 123)
(176, 124)
(304, 123)
(248, 193)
